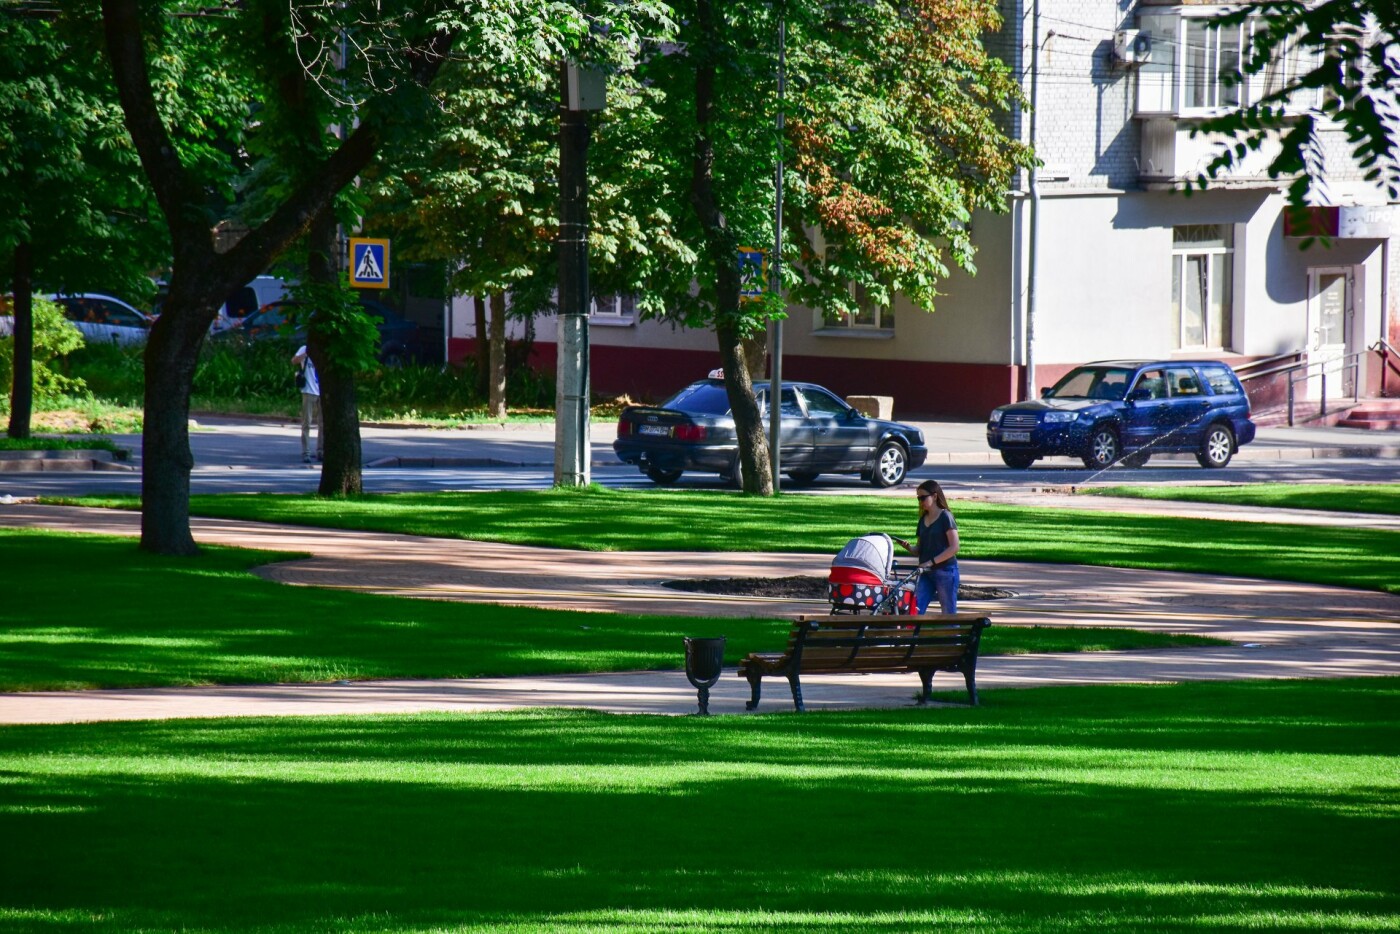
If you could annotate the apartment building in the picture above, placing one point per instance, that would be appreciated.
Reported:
(1102, 255)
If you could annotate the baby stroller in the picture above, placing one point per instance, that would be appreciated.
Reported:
(864, 579)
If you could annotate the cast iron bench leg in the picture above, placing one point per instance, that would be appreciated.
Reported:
(926, 676)
(970, 675)
(755, 688)
(796, 690)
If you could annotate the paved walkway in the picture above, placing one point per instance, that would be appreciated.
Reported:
(1281, 629)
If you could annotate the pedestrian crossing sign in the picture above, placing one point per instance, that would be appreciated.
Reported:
(369, 263)
(753, 273)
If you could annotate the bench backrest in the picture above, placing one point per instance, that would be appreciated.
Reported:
(841, 642)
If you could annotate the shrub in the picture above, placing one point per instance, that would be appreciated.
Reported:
(54, 337)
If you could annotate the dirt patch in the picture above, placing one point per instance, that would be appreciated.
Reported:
(799, 588)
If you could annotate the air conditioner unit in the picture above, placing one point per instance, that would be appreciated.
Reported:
(1131, 46)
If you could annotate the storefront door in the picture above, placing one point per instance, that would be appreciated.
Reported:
(1331, 298)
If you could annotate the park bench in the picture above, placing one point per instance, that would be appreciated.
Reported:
(864, 644)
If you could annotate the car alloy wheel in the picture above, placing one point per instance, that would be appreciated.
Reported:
(1218, 448)
(891, 464)
(1103, 449)
(1016, 460)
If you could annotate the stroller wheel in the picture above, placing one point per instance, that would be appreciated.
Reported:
(663, 477)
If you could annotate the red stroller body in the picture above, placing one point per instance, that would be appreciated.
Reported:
(864, 579)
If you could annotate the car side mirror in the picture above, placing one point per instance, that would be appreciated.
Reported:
(1044, 392)
(1140, 395)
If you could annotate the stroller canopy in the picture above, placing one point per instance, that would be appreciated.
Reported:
(867, 560)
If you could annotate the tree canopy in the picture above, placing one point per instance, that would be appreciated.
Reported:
(892, 140)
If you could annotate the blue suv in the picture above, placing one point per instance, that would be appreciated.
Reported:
(1128, 410)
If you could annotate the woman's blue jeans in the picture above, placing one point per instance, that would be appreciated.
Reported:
(942, 583)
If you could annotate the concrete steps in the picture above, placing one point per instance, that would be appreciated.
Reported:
(1373, 414)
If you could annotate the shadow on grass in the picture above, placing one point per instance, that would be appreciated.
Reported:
(613, 520)
(85, 611)
(1224, 807)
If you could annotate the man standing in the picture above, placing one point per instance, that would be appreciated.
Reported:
(310, 388)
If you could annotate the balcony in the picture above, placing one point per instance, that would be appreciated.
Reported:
(1171, 157)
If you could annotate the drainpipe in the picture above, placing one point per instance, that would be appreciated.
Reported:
(1034, 251)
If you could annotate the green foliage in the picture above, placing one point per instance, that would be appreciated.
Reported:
(54, 338)
(615, 520)
(1351, 83)
(72, 183)
(333, 313)
(891, 141)
(1168, 808)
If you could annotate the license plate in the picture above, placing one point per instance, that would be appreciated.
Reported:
(653, 430)
(1024, 436)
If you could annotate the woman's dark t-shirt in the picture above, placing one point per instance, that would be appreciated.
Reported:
(933, 539)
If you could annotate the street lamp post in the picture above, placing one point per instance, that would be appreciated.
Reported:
(583, 90)
(775, 388)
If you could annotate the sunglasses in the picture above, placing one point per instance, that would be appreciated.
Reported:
(924, 496)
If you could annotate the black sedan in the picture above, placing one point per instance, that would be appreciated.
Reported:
(693, 430)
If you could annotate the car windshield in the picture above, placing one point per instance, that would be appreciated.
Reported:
(703, 398)
(1092, 382)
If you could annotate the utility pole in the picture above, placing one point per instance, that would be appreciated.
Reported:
(582, 90)
(775, 388)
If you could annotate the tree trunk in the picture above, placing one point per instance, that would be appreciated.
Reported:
(483, 349)
(496, 408)
(755, 351)
(166, 461)
(341, 473)
(724, 260)
(22, 383)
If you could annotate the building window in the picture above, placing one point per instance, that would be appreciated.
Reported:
(614, 308)
(1209, 57)
(868, 315)
(1202, 285)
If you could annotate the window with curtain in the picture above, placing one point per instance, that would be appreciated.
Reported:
(1202, 286)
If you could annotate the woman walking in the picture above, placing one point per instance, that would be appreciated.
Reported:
(937, 551)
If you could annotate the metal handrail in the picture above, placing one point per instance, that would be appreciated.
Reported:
(1382, 347)
(1244, 376)
(1354, 365)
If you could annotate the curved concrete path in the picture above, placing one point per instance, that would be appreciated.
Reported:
(1281, 629)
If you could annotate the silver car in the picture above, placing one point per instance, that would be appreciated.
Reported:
(104, 319)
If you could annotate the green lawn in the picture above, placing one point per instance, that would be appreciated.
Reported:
(129, 619)
(673, 520)
(1199, 807)
(1382, 498)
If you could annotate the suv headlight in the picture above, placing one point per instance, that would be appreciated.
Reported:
(995, 417)
(1051, 418)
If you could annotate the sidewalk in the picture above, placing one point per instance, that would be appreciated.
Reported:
(1282, 630)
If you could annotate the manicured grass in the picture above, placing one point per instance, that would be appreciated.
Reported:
(1382, 498)
(674, 520)
(60, 444)
(95, 612)
(1186, 808)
